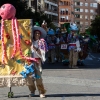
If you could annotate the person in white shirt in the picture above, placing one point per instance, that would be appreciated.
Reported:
(38, 48)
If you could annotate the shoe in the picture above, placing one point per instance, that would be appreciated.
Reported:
(75, 67)
(31, 95)
(70, 66)
(42, 96)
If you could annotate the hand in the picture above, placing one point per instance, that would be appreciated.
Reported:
(78, 49)
(33, 47)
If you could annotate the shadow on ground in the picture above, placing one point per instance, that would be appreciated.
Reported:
(65, 66)
(61, 95)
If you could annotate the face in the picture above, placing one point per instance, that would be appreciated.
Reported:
(37, 35)
(7, 11)
(73, 32)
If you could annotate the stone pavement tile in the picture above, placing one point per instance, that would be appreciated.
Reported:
(54, 92)
(91, 74)
(69, 73)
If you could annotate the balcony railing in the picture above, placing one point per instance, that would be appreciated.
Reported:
(64, 13)
(53, 1)
(64, 20)
(51, 10)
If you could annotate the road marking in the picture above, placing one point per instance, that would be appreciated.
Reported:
(72, 81)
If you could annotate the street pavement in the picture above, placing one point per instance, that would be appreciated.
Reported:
(63, 83)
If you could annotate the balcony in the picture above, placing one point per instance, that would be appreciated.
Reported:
(53, 1)
(65, 20)
(76, 0)
(64, 13)
(51, 10)
(64, 3)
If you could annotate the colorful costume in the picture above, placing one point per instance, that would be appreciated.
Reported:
(51, 40)
(74, 46)
(39, 44)
(15, 46)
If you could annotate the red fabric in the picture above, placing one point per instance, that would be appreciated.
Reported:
(38, 58)
(72, 44)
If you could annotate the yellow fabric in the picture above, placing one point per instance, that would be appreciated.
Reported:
(16, 64)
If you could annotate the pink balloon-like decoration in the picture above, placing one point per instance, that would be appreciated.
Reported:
(8, 11)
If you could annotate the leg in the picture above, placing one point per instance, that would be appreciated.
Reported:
(49, 56)
(39, 81)
(53, 55)
(57, 52)
(31, 84)
(70, 58)
(75, 58)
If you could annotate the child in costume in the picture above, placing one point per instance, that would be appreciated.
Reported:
(73, 46)
(38, 48)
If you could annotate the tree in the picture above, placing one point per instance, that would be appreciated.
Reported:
(23, 12)
(95, 27)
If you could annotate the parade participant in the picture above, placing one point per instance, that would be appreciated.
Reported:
(38, 48)
(74, 46)
(59, 41)
(51, 40)
(57, 45)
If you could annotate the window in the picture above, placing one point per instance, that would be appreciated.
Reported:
(95, 5)
(86, 17)
(91, 11)
(67, 17)
(91, 17)
(81, 3)
(78, 22)
(81, 29)
(66, 11)
(61, 3)
(32, 3)
(86, 23)
(77, 16)
(77, 9)
(86, 10)
(86, 27)
(77, 3)
(91, 4)
(81, 23)
(81, 16)
(81, 10)
(86, 4)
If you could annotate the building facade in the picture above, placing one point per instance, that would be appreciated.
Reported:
(66, 14)
(36, 5)
(84, 13)
(51, 10)
(49, 7)
(98, 9)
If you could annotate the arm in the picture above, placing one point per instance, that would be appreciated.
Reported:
(36, 49)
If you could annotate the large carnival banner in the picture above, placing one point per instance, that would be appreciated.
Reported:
(14, 51)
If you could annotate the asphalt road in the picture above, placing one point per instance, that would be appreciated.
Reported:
(63, 83)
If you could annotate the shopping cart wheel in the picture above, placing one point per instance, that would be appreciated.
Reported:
(10, 94)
